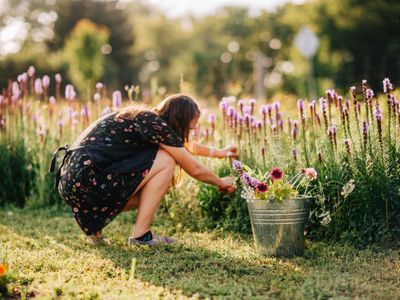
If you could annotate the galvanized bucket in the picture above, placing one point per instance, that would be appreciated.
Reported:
(278, 227)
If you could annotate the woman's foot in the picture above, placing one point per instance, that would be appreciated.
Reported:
(150, 239)
(97, 239)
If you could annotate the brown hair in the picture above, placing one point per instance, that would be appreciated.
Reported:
(177, 110)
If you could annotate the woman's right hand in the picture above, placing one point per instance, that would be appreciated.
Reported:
(227, 185)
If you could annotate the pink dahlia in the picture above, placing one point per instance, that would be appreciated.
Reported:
(310, 172)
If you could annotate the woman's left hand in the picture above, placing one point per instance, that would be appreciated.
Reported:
(230, 151)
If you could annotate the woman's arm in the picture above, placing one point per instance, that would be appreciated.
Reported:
(201, 150)
(196, 169)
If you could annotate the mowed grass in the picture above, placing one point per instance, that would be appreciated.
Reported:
(49, 258)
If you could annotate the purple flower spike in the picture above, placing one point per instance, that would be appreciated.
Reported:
(31, 71)
(246, 179)
(99, 85)
(277, 105)
(58, 78)
(46, 81)
(237, 165)
(211, 119)
(370, 94)
(117, 99)
(52, 100)
(70, 93)
(387, 85)
(264, 109)
(38, 86)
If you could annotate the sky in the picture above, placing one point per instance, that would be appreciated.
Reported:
(179, 8)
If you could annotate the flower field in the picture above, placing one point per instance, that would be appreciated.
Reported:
(351, 140)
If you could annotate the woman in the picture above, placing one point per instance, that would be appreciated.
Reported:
(126, 160)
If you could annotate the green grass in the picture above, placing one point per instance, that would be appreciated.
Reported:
(48, 258)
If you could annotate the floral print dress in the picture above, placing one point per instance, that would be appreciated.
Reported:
(108, 162)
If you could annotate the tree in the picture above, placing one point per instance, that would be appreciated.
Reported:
(105, 13)
(82, 49)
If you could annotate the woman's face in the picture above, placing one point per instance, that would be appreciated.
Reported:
(194, 122)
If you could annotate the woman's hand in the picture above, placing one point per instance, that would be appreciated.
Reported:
(230, 151)
(227, 185)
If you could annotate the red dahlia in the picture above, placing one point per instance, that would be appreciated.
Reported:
(276, 174)
(262, 187)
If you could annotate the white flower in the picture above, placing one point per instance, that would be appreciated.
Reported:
(326, 218)
(348, 188)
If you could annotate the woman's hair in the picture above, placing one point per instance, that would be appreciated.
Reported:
(177, 110)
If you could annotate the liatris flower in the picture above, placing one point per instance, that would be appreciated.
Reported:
(237, 165)
(332, 135)
(52, 100)
(231, 112)
(378, 116)
(70, 93)
(207, 134)
(387, 86)
(262, 187)
(311, 107)
(240, 104)
(254, 182)
(247, 110)
(276, 174)
(294, 133)
(99, 86)
(211, 120)
(15, 91)
(85, 113)
(46, 81)
(31, 71)
(310, 173)
(246, 179)
(365, 132)
(323, 105)
(264, 109)
(280, 124)
(97, 97)
(58, 78)
(224, 105)
(252, 104)
(105, 111)
(277, 106)
(116, 99)
(38, 86)
(347, 146)
(369, 94)
(294, 154)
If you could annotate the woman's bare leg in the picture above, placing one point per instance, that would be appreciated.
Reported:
(150, 192)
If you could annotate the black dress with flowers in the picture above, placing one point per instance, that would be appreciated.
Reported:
(114, 156)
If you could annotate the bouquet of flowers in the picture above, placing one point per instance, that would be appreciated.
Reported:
(273, 184)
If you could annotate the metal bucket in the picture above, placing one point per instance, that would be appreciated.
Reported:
(278, 227)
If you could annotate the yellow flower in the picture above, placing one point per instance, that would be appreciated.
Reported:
(3, 269)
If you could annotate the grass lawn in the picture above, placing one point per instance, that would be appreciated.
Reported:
(49, 258)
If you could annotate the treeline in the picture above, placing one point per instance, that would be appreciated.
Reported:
(229, 52)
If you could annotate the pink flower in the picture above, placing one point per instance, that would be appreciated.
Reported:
(310, 172)
(276, 174)
(58, 78)
(262, 187)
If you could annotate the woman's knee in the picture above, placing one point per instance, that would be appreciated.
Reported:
(165, 160)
